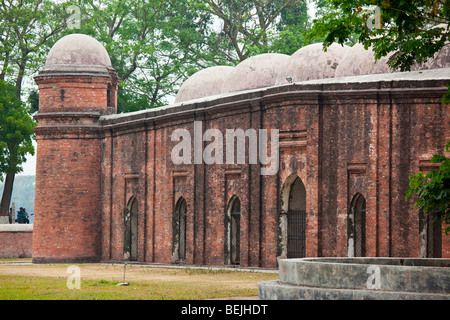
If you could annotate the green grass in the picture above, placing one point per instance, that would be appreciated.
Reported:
(16, 260)
(41, 288)
(144, 283)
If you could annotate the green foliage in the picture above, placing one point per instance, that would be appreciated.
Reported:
(33, 100)
(433, 189)
(254, 27)
(154, 45)
(446, 98)
(409, 32)
(16, 130)
(27, 28)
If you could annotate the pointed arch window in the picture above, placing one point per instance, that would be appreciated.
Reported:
(356, 227)
(296, 220)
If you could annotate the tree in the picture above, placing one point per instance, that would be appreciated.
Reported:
(27, 27)
(152, 45)
(291, 30)
(409, 31)
(433, 189)
(156, 45)
(16, 132)
(33, 100)
(256, 26)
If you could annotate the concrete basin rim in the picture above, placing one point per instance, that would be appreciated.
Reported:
(329, 261)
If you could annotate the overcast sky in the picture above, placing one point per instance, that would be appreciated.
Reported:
(29, 168)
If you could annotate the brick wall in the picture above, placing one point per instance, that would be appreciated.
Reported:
(340, 138)
(67, 220)
(16, 241)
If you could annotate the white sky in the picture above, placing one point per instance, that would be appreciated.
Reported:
(29, 168)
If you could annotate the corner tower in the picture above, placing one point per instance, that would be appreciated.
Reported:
(77, 85)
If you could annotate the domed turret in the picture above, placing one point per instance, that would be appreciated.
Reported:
(76, 86)
(77, 53)
(78, 76)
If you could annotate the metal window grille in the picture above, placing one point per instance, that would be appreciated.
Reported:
(296, 229)
(296, 234)
(131, 231)
(434, 238)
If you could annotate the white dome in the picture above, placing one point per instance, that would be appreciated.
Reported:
(312, 62)
(204, 83)
(441, 59)
(255, 72)
(77, 53)
(359, 61)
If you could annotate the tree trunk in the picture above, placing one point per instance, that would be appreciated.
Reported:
(7, 193)
(22, 66)
(5, 66)
(9, 181)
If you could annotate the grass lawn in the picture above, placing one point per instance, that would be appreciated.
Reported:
(99, 282)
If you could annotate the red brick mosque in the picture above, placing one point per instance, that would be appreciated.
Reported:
(349, 133)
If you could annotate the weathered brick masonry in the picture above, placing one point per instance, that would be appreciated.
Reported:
(16, 240)
(97, 172)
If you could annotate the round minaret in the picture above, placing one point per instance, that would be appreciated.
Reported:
(76, 86)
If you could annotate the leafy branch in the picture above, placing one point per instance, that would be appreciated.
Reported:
(433, 190)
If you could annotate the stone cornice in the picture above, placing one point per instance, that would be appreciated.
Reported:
(41, 115)
(328, 92)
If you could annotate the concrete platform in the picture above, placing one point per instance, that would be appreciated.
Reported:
(359, 279)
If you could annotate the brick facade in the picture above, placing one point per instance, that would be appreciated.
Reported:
(67, 198)
(341, 138)
(16, 240)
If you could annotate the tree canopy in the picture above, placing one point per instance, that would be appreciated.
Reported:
(154, 46)
(433, 189)
(16, 129)
(16, 132)
(413, 31)
(409, 32)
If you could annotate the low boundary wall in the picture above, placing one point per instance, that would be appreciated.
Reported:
(16, 240)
